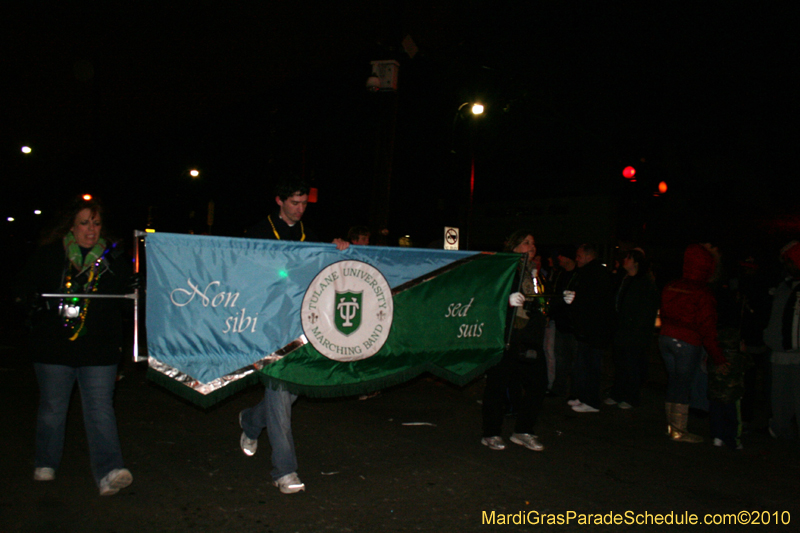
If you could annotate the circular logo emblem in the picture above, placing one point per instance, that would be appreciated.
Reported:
(347, 311)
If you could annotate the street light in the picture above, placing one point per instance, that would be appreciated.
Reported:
(26, 149)
(477, 110)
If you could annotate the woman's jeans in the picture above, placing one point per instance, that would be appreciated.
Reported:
(96, 384)
(682, 361)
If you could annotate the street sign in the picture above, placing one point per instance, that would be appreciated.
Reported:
(450, 238)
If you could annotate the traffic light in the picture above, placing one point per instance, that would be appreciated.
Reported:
(628, 172)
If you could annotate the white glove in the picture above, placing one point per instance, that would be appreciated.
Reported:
(517, 299)
(569, 296)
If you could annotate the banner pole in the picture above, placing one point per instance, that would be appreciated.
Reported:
(137, 236)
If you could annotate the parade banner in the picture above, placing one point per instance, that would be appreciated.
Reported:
(223, 313)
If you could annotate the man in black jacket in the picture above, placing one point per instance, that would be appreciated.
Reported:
(560, 316)
(592, 309)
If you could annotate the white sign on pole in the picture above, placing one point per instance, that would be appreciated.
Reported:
(450, 238)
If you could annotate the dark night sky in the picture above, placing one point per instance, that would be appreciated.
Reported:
(121, 99)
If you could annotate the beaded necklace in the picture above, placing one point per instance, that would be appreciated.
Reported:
(73, 319)
(277, 235)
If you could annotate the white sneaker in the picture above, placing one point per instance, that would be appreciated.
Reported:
(527, 440)
(720, 443)
(610, 401)
(624, 405)
(494, 443)
(583, 408)
(289, 484)
(44, 474)
(248, 446)
(574, 402)
(117, 479)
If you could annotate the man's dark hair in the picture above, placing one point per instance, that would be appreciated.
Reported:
(290, 186)
(590, 249)
(567, 251)
(356, 232)
(640, 259)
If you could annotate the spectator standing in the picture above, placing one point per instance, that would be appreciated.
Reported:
(565, 343)
(359, 235)
(688, 324)
(592, 309)
(725, 390)
(636, 305)
(782, 335)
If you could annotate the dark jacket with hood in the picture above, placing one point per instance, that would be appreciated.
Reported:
(688, 307)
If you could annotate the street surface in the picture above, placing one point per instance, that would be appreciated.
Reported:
(371, 466)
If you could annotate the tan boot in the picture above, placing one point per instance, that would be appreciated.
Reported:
(679, 421)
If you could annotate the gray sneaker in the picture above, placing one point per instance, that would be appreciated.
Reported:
(44, 474)
(289, 483)
(529, 441)
(248, 446)
(494, 443)
(117, 479)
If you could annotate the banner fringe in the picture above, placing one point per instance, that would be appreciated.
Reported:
(365, 387)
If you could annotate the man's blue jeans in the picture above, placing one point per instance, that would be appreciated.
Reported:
(682, 361)
(274, 413)
(627, 378)
(96, 384)
(586, 376)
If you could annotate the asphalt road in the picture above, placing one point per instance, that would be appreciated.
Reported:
(367, 469)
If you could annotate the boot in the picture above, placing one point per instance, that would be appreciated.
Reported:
(678, 422)
(668, 407)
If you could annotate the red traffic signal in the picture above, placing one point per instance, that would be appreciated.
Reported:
(628, 172)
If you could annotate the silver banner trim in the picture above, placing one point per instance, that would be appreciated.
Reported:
(208, 388)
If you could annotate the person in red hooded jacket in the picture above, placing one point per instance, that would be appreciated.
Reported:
(688, 324)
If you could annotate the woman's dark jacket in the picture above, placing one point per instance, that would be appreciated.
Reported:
(102, 341)
(637, 306)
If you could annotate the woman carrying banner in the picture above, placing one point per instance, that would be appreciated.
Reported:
(78, 339)
(523, 365)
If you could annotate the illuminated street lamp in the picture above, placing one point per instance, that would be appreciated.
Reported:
(477, 110)
(26, 149)
(194, 173)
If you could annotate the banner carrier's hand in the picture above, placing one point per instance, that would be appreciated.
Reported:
(516, 299)
(341, 245)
